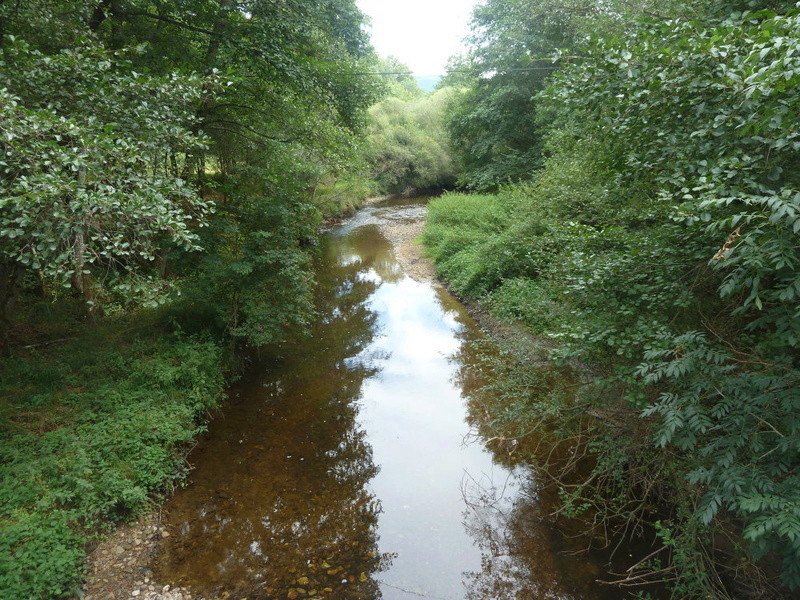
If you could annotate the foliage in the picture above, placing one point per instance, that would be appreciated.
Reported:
(742, 425)
(90, 432)
(729, 88)
(659, 245)
(41, 556)
(406, 145)
(255, 282)
(86, 183)
(108, 93)
(342, 196)
(516, 45)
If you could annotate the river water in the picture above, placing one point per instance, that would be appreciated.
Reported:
(347, 469)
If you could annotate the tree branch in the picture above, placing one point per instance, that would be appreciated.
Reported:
(219, 125)
(171, 21)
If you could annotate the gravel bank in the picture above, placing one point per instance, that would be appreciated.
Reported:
(409, 253)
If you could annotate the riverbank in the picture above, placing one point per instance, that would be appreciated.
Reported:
(409, 250)
(119, 567)
(96, 421)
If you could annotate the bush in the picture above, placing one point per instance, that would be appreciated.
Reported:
(41, 555)
(528, 301)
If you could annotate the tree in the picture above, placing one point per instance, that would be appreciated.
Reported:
(515, 46)
(152, 102)
(407, 146)
(90, 190)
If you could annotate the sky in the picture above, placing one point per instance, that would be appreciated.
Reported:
(423, 34)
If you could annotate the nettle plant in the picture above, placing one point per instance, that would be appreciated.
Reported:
(707, 116)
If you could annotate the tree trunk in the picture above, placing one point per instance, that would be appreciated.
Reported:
(104, 10)
(161, 262)
(117, 39)
(99, 15)
(9, 280)
(81, 281)
(2, 24)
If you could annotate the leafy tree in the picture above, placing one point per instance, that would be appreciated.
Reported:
(715, 131)
(295, 69)
(254, 282)
(399, 79)
(165, 95)
(407, 147)
(515, 46)
(89, 183)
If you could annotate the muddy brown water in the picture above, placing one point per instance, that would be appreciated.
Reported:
(346, 469)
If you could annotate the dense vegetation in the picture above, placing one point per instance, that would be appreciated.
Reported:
(165, 166)
(653, 233)
(406, 147)
(90, 433)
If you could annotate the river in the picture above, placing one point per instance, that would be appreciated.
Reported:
(346, 468)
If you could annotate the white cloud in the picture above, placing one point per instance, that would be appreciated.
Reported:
(421, 33)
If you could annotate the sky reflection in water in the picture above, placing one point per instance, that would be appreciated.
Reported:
(344, 469)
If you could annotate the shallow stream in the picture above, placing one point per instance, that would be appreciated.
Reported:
(346, 469)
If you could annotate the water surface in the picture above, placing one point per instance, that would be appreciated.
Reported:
(346, 469)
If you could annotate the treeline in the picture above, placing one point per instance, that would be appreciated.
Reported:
(165, 166)
(407, 148)
(638, 163)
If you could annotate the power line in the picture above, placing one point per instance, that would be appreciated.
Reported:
(462, 71)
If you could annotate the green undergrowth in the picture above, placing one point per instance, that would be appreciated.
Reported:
(92, 429)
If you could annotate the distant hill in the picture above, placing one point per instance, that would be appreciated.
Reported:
(428, 82)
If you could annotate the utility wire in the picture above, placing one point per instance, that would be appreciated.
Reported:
(460, 71)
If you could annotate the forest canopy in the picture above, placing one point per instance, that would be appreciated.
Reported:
(124, 120)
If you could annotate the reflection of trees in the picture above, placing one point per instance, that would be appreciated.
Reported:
(525, 555)
(278, 506)
(514, 564)
(374, 252)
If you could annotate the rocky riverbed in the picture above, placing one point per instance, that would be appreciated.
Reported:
(118, 568)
